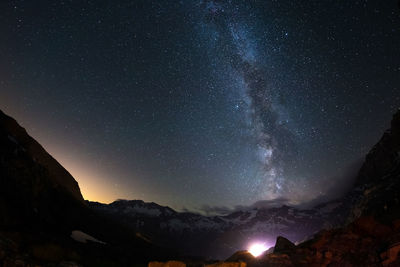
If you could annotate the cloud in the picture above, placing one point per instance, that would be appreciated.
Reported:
(224, 210)
(215, 210)
(265, 204)
(337, 186)
(272, 203)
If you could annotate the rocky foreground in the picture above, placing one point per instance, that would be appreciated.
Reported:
(44, 220)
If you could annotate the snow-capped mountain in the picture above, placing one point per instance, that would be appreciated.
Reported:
(219, 236)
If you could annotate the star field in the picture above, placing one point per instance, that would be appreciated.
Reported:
(206, 102)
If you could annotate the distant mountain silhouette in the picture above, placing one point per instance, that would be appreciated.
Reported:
(44, 218)
(217, 236)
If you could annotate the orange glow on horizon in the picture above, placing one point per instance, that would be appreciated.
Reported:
(94, 187)
(96, 181)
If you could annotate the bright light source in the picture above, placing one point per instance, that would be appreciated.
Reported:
(257, 249)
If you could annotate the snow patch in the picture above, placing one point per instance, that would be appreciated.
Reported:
(82, 237)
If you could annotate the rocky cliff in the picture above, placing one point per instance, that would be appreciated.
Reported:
(44, 220)
(35, 190)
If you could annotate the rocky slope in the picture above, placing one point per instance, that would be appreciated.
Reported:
(44, 219)
(33, 185)
(379, 178)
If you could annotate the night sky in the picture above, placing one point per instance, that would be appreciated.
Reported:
(202, 103)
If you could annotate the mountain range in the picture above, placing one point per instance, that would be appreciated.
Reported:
(217, 237)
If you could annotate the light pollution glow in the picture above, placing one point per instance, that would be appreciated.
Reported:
(256, 249)
(94, 185)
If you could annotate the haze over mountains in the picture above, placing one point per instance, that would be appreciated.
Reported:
(218, 237)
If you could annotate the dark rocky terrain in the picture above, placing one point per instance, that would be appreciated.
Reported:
(41, 205)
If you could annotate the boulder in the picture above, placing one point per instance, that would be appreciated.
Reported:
(283, 245)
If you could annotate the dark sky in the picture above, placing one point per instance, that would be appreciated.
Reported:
(200, 102)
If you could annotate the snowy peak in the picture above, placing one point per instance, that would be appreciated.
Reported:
(134, 208)
(192, 233)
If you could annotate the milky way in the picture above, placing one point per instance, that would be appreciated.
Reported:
(273, 138)
(203, 104)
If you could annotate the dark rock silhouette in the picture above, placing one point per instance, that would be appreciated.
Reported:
(283, 245)
(34, 187)
(41, 206)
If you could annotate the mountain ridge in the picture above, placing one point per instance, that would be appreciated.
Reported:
(192, 233)
(44, 219)
(19, 136)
